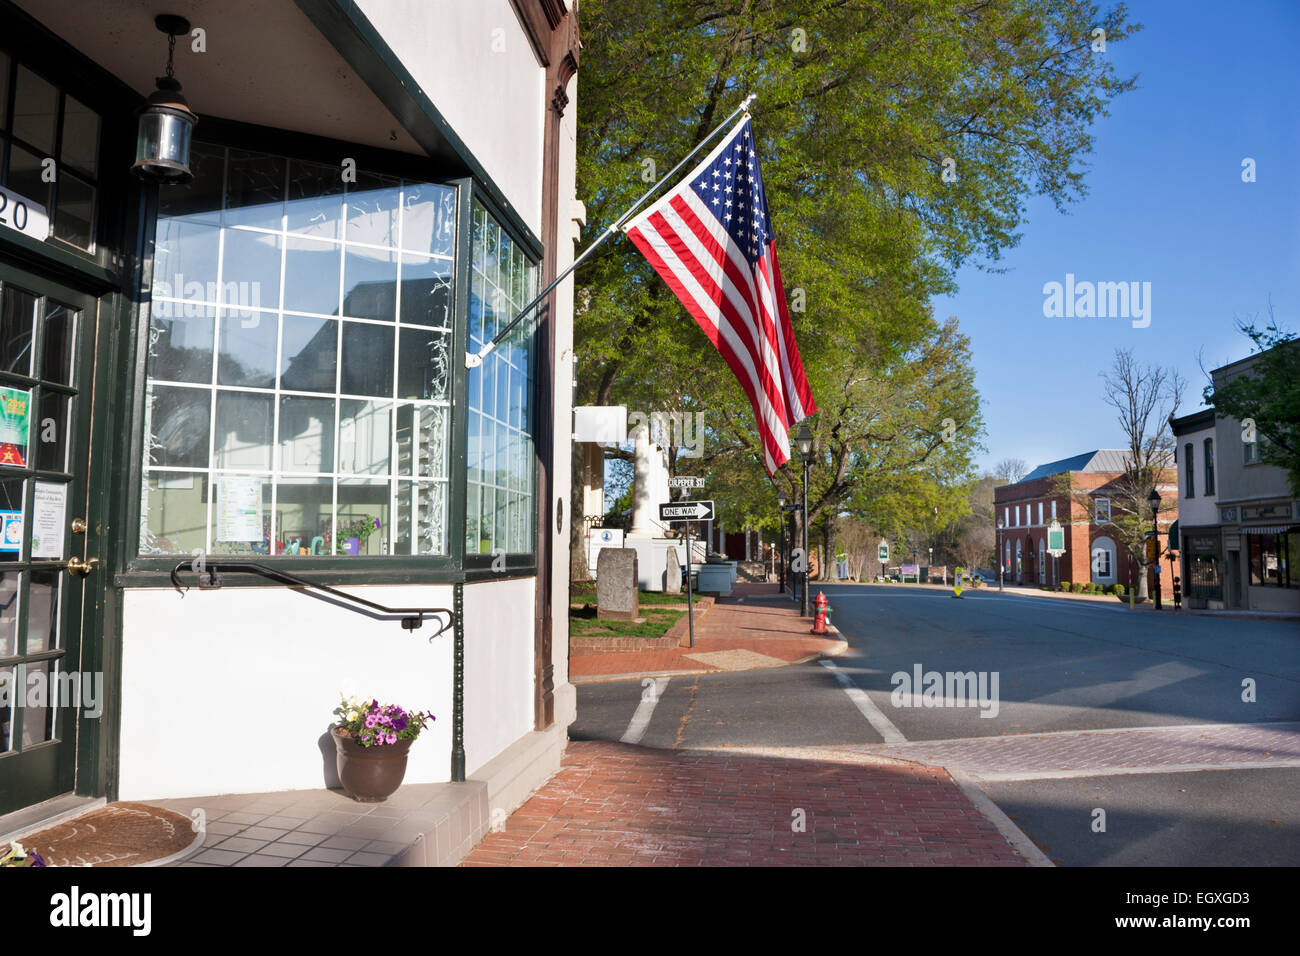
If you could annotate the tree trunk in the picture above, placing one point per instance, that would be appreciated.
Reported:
(577, 520)
(828, 535)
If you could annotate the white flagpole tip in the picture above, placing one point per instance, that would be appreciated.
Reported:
(749, 101)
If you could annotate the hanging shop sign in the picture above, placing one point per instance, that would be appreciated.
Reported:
(15, 421)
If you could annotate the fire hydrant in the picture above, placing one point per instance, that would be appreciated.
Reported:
(823, 614)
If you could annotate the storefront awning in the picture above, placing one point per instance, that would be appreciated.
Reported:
(1272, 529)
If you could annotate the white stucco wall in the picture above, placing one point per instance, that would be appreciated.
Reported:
(230, 691)
(499, 619)
(566, 698)
(1201, 510)
(472, 59)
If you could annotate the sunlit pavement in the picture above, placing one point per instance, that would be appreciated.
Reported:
(1200, 715)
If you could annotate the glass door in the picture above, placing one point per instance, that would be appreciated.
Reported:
(46, 348)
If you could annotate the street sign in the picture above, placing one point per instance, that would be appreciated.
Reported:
(1152, 548)
(884, 552)
(686, 481)
(1055, 539)
(687, 511)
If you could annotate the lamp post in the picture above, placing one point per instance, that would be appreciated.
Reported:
(804, 442)
(780, 502)
(1154, 500)
(1001, 524)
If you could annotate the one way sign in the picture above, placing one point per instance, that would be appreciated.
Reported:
(687, 511)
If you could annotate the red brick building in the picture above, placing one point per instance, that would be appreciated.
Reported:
(1093, 552)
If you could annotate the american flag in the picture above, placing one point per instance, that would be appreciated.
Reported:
(710, 239)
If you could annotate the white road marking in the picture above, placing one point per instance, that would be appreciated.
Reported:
(644, 711)
(883, 725)
(993, 813)
(1014, 775)
(1260, 724)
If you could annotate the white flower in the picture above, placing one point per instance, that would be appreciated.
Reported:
(17, 848)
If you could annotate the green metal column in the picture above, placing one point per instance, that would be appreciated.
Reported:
(458, 688)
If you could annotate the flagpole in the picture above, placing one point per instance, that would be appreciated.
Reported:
(475, 359)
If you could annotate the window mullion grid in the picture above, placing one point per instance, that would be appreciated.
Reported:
(392, 413)
(216, 351)
(273, 530)
(338, 373)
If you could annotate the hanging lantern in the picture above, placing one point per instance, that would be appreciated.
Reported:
(166, 122)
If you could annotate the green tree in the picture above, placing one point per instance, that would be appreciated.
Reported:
(897, 141)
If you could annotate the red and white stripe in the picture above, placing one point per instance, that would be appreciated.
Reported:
(741, 309)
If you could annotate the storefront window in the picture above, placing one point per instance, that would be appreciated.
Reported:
(298, 397)
(1273, 559)
(53, 150)
(499, 490)
(1205, 581)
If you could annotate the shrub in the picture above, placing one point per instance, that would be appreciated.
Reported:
(1077, 587)
(1120, 590)
(1063, 586)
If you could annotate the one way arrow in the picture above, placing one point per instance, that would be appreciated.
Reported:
(687, 511)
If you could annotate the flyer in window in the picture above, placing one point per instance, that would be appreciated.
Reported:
(15, 419)
(49, 513)
(239, 510)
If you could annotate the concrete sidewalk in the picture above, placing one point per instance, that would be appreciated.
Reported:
(620, 805)
(755, 627)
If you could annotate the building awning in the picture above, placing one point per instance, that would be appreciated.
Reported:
(1272, 529)
(1174, 542)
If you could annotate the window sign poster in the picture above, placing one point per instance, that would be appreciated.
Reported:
(239, 510)
(15, 419)
(49, 513)
(11, 530)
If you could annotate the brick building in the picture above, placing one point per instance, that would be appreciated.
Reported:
(1093, 552)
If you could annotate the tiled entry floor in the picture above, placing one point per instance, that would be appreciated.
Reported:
(431, 824)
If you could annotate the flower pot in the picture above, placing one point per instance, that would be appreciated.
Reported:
(370, 774)
(353, 545)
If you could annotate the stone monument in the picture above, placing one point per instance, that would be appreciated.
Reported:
(672, 572)
(617, 597)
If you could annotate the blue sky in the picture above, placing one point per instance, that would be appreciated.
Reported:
(1166, 204)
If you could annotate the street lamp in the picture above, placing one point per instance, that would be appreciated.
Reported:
(804, 442)
(1154, 500)
(1001, 524)
(165, 122)
(780, 501)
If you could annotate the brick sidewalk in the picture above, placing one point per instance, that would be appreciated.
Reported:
(755, 627)
(619, 805)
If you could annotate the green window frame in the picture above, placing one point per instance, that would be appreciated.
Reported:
(44, 129)
(456, 561)
(500, 492)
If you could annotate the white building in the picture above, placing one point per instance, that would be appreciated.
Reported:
(268, 364)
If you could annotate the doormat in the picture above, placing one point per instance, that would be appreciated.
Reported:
(119, 834)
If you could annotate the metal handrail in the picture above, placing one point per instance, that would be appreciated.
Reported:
(208, 568)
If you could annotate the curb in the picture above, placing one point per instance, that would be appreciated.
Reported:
(840, 648)
(1001, 822)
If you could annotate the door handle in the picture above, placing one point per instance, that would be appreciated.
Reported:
(76, 566)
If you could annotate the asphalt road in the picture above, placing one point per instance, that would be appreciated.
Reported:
(1058, 668)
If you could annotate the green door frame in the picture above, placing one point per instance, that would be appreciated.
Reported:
(50, 769)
